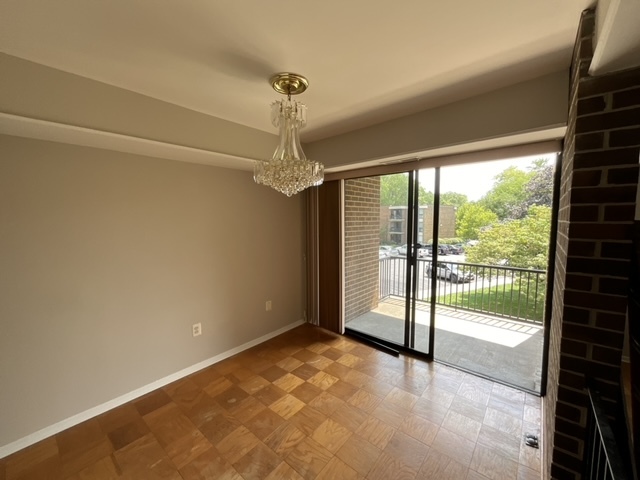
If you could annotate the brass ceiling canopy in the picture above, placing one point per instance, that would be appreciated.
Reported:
(288, 83)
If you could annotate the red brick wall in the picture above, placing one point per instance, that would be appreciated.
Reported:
(596, 213)
(362, 240)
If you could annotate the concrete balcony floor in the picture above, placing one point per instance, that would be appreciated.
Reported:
(505, 350)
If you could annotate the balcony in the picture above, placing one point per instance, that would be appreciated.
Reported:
(488, 319)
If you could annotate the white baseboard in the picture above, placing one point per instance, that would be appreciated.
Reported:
(127, 397)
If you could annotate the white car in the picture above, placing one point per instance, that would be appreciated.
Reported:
(422, 252)
(387, 250)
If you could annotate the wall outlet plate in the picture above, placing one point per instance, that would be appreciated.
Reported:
(196, 329)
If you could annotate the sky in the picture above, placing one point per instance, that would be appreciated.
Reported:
(474, 180)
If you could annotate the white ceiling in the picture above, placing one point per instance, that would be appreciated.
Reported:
(366, 60)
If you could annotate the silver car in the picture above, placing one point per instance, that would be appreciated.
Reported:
(451, 272)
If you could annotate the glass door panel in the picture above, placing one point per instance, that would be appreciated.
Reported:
(495, 220)
(426, 216)
(384, 263)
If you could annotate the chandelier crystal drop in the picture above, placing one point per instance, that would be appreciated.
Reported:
(288, 171)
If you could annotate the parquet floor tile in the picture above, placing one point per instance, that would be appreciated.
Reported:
(391, 414)
(282, 471)
(103, 469)
(441, 466)
(331, 435)
(308, 458)
(284, 438)
(419, 428)
(350, 417)
(336, 468)
(359, 454)
(307, 420)
(376, 431)
(209, 465)
(454, 445)
(259, 462)
(307, 404)
(264, 423)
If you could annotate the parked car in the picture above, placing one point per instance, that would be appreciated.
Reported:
(451, 272)
(456, 249)
(422, 250)
(442, 250)
(385, 251)
(388, 250)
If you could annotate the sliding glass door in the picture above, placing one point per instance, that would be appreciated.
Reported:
(470, 261)
(386, 222)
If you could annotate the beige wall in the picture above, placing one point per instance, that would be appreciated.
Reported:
(107, 259)
(36, 91)
(536, 105)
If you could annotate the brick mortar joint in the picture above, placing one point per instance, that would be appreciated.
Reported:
(608, 109)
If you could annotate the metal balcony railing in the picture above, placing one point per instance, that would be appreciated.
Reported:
(509, 292)
(606, 457)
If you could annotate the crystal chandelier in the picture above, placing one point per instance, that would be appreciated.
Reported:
(288, 171)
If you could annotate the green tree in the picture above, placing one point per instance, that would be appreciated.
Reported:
(518, 243)
(453, 198)
(539, 188)
(508, 192)
(424, 197)
(471, 219)
(394, 191)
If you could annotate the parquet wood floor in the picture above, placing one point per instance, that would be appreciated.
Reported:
(307, 404)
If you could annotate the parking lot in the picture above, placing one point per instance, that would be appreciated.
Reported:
(395, 274)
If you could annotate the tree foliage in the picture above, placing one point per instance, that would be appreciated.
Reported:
(538, 190)
(471, 219)
(453, 198)
(514, 191)
(518, 243)
(394, 191)
(424, 197)
(508, 192)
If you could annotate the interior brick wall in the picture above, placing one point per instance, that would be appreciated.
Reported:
(362, 240)
(596, 212)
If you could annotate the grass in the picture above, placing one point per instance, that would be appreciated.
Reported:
(497, 301)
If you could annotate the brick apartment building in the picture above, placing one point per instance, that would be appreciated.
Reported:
(393, 224)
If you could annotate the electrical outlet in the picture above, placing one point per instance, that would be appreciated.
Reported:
(197, 329)
(267, 306)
